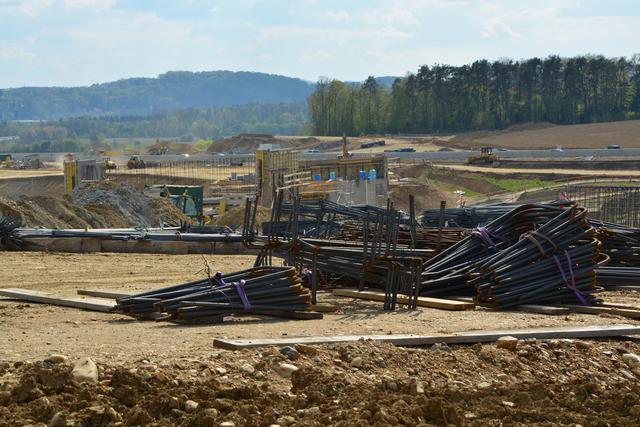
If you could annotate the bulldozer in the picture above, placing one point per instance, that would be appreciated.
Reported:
(136, 162)
(486, 157)
(110, 164)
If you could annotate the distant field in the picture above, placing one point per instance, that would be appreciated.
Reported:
(545, 135)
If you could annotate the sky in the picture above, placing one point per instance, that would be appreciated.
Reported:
(81, 42)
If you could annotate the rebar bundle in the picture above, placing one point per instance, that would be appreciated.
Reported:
(621, 244)
(621, 251)
(467, 217)
(448, 272)
(372, 259)
(619, 277)
(553, 264)
(9, 237)
(260, 290)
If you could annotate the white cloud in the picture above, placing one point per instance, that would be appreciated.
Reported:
(30, 8)
(314, 57)
(13, 52)
(90, 4)
(338, 16)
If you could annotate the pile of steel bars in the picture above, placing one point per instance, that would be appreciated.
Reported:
(373, 258)
(475, 216)
(467, 217)
(553, 264)
(275, 291)
(448, 272)
(621, 244)
(425, 238)
(621, 251)
(617, 277)
(9, 237)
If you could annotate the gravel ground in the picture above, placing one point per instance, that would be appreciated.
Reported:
(148, 372)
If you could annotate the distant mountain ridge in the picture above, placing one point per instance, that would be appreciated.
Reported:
(171, 91)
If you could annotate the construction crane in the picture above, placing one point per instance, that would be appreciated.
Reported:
(486, 157)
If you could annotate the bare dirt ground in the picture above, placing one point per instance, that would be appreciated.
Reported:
(545, 135)
(28, 173)
(576, 172)
(113, 336)
(165, 374)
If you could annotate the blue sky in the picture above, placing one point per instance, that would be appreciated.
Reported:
(80, 42)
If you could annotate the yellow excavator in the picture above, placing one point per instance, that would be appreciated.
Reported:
(486, 157)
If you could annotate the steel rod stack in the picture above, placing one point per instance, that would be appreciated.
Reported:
(621, 249)
(9, 236)
(448, 272)
(371, 258)
(275, 291)
(553, 264)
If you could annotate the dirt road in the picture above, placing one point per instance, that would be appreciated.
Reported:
(541, 170)
(28, 173)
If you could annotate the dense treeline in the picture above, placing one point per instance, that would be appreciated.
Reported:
(78, 134)
(483, 95)
(172, 91)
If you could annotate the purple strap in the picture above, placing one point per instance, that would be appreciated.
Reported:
(486, 236)
(243, 296)
(571, 284)
(218, 278)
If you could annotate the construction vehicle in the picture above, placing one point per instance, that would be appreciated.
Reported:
(136, 162)
(187, 198)
(6, 160)
(486, 157)
(110, 164)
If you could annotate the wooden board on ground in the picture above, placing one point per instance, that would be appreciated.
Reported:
(542, 309)
(469, 337)
(443, 304)
(102, 294)
(632, 313)
(46, 298)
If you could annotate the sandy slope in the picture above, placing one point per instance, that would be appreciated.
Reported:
(541, 136)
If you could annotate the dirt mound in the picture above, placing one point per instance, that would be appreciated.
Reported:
(544, 383)
(426, 196)
(244, 142)
(234, 217)
(533, 136)
(101, 205)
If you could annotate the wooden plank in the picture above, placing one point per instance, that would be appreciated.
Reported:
(102, 294)
(46, 298)
(323, 308)
(625, 312)
(469, 337)
(443, 304)
(543, 309)
(304, 315)
(622, 288)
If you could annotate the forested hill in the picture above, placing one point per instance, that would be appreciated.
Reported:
(175, 90)
(483, 95)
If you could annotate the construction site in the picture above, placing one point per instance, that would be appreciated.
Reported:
(343, 286)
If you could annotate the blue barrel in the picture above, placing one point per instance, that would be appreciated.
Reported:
(363, 175)
(332, 175)
(373, 174)
(317, 177)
